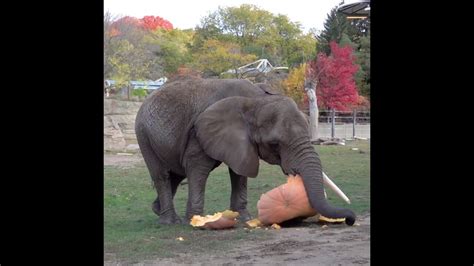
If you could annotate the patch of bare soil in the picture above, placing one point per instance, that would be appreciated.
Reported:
(337, 244)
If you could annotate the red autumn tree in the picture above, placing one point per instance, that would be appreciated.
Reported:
(147, 23)
(336, 88)
(153, 23)
(128, 20)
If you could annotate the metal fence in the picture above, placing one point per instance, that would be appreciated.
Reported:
(341, 124)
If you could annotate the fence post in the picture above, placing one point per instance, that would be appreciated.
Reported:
(333, 116)
(354, 120)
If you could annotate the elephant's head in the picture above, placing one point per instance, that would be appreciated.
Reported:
(239, 130)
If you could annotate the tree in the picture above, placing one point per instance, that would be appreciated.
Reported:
(363, 60)
(335, 26)
(216, 57)
(130, 54)
(354, 32)
(246, 22)
(258, 32)
(174, 48)
(336, 88)
(294, 85)
(153, 23)
(149, 23)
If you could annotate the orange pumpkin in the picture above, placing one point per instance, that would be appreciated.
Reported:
(285, 202)
(220, 220)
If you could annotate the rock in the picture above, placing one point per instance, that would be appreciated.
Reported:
(119, 125)
(124, 121)
(331, 142)
(319, 141)
(116, 107)
(114, 144)
(128, 131)
(132, 147)
(107, 122)
(130, 136)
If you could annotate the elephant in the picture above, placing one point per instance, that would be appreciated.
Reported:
(191, 125)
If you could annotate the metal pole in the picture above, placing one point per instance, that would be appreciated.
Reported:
(333, 116)
(354, 119)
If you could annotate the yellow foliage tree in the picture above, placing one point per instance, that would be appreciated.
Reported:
(294, 84)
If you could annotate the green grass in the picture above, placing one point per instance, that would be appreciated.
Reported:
(131, 231)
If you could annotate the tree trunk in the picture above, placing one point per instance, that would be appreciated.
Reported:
(310, 89)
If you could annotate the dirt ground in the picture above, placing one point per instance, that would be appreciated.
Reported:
(337, 244)
(334, 245)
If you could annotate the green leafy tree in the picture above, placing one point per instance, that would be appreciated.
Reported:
(363, 60)
(216, 57)
(130, 55)
(335, 26)
(246, 23)
(174, 48)
(258, 32)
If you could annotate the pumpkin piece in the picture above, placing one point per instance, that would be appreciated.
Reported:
(253, 223)
(331, 220)
(285, 202)
(220, 220)
(276, 226)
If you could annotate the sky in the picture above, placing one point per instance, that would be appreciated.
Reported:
(187, 14)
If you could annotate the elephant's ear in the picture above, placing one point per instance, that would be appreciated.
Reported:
(223, 133)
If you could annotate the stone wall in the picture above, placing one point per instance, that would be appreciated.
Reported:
(119, 125)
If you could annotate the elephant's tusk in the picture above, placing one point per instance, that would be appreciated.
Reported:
(325, 194)
(328, 182)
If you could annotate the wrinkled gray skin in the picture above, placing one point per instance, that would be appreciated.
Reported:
(192, 125)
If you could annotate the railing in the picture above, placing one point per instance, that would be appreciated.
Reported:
(360, 117)
(360, 121)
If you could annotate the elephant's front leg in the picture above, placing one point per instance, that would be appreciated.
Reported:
(198, 166)
(196, 187)
(238, 198)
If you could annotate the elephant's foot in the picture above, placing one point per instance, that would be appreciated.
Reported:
(155, 206)
(189, 215)
(244, 215)
(170, 219)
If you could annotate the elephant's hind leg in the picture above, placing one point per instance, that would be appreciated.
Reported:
(175, 181)
(162, 180)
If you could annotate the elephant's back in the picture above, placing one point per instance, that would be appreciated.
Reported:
(185, 98)
(167, 115)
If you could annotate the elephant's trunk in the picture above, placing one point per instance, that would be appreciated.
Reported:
(309, 167)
